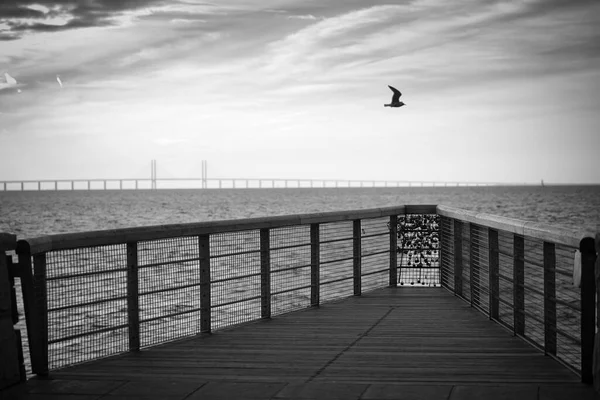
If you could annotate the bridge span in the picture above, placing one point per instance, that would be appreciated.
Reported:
(204, 182)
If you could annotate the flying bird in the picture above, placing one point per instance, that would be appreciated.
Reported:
(395, 98)
(59, 81)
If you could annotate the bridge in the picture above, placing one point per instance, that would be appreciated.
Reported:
(414, 301)
(204, 182)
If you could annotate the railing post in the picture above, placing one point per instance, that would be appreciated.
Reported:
(549, 298)
(41, 296)
(33, 286)
(205, 306)
(133, 308)
(596, 357)
(494, 277)
(458, 260)
(356, 235)
(393, 250)
(588, 308)
(32, 318)
(265, 273)
(315, 265)
(518, 285)
(11, 367)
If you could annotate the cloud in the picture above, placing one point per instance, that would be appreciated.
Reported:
(24, 16)
(308, 17)
(433, 41)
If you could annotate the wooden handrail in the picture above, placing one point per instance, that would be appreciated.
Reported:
(8, 241)
(124, 235)
(544, 232)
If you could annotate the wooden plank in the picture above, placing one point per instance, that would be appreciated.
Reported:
(400, 335)
(116, 236)
(8, 241)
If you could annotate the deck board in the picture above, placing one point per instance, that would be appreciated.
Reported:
(398, 336)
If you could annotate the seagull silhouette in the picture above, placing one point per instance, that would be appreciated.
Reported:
(395, 98)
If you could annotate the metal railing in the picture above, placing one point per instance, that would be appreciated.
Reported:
(520, 274)
(96, 294)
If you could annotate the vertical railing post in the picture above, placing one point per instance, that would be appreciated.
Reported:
(133, 305)
(41, 295)
(205, 306)
(518, 285)
(315, 265)
(550, 298)
(442, 256)
(356, 236)
(32, 311)
(393, 250)
(494, 276)
(10, 349)
(265, 273)
(458, 260)
(35, 302)
(588, 308)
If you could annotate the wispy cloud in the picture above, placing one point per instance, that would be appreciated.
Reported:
(308, 17)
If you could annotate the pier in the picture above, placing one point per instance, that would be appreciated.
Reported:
(204, 182)
(419, 301)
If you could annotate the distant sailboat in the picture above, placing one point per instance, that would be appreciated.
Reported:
(542, 183)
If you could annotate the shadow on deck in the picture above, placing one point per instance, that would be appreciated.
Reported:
(398, 343)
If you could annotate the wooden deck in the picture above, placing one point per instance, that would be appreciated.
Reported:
(396, 343)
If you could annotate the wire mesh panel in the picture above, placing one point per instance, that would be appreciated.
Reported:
(375, 253)
(534, 290)
(235, 277)
(419, 249)
(336, 271)
(465, 260)
(480, 267)
(86, 303)
(290, 269)
(568, 309)
(169, 289)
(505, 274)
(447, 249)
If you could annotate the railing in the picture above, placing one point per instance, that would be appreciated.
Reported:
(102, 293)
(520, 274)
(95, 294)
(12, 366)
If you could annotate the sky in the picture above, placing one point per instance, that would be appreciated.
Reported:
(495, 91)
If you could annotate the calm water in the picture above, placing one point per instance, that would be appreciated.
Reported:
(30, 214)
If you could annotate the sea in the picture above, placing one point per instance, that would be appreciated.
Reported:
(37, 213)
